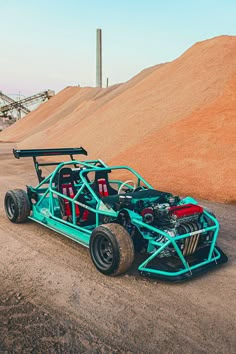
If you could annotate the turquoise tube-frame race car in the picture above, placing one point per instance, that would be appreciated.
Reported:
(114, 212)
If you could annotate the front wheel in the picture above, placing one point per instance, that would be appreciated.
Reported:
(17, 205)
(111, 249)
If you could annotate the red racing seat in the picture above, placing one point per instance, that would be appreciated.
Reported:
(101, 184)
(67, 190)
(66, 186)
(102, 187)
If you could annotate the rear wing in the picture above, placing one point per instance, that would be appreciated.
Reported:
(47, 152)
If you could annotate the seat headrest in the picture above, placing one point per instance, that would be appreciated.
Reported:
(101, 175)
(66, 174)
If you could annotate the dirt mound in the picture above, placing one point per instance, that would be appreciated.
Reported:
(173, 122)
(195, 155)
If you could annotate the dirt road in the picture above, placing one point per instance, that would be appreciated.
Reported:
(52, 300)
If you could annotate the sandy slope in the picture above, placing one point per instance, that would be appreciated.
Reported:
(196, 155)
(180, 113)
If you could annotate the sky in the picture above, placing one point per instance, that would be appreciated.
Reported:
(51, 44)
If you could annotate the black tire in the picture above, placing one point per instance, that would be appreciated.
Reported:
(111, 249)
(17, 205)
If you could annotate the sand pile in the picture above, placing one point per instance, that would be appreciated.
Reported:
(172, 122)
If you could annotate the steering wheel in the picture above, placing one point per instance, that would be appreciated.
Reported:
(140, 188)
(126, 182)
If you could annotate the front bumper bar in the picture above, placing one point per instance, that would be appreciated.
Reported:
(171, 270)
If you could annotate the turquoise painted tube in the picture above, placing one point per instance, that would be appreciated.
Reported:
(180, 272)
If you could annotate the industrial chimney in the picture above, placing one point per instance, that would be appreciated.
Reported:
(99, 59)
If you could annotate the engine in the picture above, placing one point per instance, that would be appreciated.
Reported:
(166, 213)
(176, 220)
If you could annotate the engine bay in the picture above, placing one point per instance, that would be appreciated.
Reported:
(165, 212)
(159, 209)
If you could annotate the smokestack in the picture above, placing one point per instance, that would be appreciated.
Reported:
(99, 59)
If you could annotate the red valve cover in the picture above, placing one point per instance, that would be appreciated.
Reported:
(185, 210)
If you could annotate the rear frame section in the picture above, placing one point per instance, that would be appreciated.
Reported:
(34, 153)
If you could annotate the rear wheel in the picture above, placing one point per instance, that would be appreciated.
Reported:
(111, 249)
(17, 205)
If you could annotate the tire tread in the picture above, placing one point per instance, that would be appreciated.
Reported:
(124, 244)
(22, 204)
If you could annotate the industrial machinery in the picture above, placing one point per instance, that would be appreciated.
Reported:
(114, 212)
(12, 110)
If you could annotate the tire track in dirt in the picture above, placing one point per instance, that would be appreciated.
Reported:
(27, 328)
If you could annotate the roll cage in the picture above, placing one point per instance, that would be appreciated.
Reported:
(47, 189)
